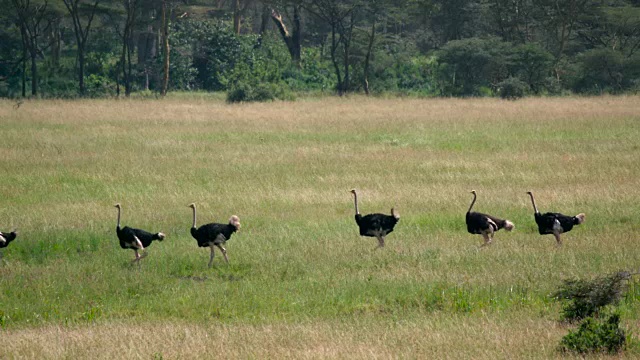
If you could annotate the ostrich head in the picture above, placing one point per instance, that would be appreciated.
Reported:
(353, 191)
(473, 192)
(235, 221)
(159, 236)
(580, 218)
(192, 205)
(117, 205)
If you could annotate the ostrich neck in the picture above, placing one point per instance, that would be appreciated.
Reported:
(194, 217)
(472, 202)
(535, 209)
(118, 224)
(355, 201)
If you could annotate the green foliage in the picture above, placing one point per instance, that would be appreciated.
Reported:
(472, 64)
(512, 88)
(260, 78)
(532, 64)
(211, 48)
(584, 298)
(99, 86)
(245, 92)
(314, 74)
(596, 336)
(604, 70)
(397, 68)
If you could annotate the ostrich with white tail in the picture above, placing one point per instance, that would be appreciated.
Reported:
(554, 223)
(485, 225)
(213, 234)
(375, 225)
(6, 238)
(135, 239)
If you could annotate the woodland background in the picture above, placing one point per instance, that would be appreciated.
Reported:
(263, 50)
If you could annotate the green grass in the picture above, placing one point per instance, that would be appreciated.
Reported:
(298, 270)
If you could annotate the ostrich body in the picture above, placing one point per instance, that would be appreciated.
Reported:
(554, 223)
(375, 225)
(483, 224)
(213, 234)
(6, 238)
(135, 239)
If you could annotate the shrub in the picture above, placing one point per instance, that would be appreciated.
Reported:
(584, 298)
(245, 92)
(596, 336)
(239, 92)
(512, 88)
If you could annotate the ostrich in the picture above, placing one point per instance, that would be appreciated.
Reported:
(136, 239)
(6, 238)
(555, 223)
(483, 224)
(214, 234)
(375, 225)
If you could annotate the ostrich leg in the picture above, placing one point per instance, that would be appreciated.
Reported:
(224, 252)
(487, 235)
(556, 234)
(212, 255)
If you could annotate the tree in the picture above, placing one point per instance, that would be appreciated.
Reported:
(291, 38)
(341, 17)
(239, 8)
(75, 8)
(470, 65)
(29, 17)
(558, 18)
(131, 8)
(533, 65)
(165, 49)
(512, 19)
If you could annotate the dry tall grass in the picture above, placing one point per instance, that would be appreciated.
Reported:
(301, 283)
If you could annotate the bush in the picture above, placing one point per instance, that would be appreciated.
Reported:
(512, 88)
(584, 298)
(596, 336)
(244, 92)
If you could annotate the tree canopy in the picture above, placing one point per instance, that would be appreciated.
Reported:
(257, 50)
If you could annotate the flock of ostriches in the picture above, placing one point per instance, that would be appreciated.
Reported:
(372, 225)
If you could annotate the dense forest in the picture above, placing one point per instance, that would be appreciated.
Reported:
(263, 50)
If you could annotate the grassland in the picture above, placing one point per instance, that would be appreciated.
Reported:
(301, 283)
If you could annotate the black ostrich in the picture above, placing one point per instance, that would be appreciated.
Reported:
(485, 225)
(375, 225)
(6, 238)
(555, 223)
(214, 234)
(136, 239)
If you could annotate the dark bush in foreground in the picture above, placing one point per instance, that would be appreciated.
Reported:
(244, 92)
(585, 298)
(596, 336)
(512, 88)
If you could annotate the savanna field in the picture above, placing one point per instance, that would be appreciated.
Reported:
(301, 282)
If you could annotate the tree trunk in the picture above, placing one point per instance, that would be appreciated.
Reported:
(81, 70)
(24, 73)
(291, 39)
(82, 34)
(165, 48)
(34, 72)
(334, 60)
(237, 16)
(368, 57)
